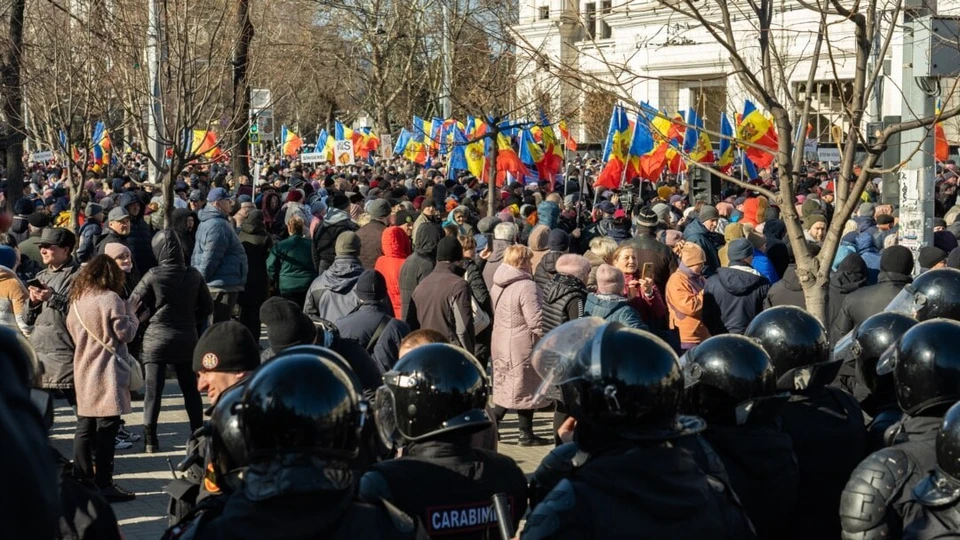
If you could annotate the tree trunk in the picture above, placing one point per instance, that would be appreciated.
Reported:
(241, 93)
(383, 122)
(12, 104)
(817, 299)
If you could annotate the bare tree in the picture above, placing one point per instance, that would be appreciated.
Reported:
(11, 101)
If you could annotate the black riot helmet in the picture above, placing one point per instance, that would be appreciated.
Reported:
(926, 366)
(870, 340)
(797, 345)
(228, 450)
(725, 372)
(434, 389)
(613, 379)
(933, 294)
(327, 354)
(948, 444)
(301, 404)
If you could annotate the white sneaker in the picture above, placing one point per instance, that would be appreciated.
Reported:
(122, 444)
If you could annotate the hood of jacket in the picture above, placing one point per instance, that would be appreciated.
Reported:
(695, 229)
(850, 275)
(669, 484)
(548, 213)
(865, 244)
(428, 236)
(790, 279)
(253, 223)
(342, 274)
(775, 229)
(335, 215)
(864, 223)
(507, 275)
(499, 246)
(562, 285)
(179, 220)
(602, 305)
(166, 248)
(538, 238)
(894, 277)
(549, 261)
(739, 280)
(209, 212)
(395, 243)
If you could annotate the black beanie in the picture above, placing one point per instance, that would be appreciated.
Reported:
(897, 259)
(558, 240)
(371, 287)
(226, 346)
(286, 324)
(449, 250)
(930, 256)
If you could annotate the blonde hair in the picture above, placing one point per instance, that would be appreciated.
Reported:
(517, 256)
(621, 249)
(467, 242)
(295, 225)
(603, 247)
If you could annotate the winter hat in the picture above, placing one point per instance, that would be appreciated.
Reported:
(884, 219)
(348, 243)
(378, 208)
(810, 206)
(676, 198)
(757, 240)
(691, 254)
(739, 250)
(708, 212)
(318, 208)
(23, 207)
(671, 237)
(574, 265)
(371, 287)
(953, 259)
(8, 257)
(558, 240)
(664, 192)
(403, 217)
(287, 324)
(811, 220)
(486, 225)
(866, 210)
(449, 250)
(91, 210)
(945, 240)
(733, 231)
(930, 256)
(646, 217)
(228, 346)
(38, 220)
(896, 259)
(662, 211)
(115, 249)
(610, 280)
(606, 207)
(294, 195)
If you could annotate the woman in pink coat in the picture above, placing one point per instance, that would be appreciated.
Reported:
(97, 316)
(517, 310)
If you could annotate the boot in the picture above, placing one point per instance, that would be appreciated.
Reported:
(529, 439)
(150, 443)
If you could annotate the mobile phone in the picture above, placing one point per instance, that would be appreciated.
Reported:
(647, 270)
(36, 283)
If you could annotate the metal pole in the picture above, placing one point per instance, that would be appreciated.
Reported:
(155, 146)
(917, 179)
(445, 102)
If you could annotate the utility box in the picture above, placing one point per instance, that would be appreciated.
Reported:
(937, 54)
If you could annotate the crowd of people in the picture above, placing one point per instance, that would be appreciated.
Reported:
(396, 276)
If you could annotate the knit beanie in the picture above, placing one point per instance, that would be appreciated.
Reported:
(664, 192)
(646, 217)
(449, 250)
(486, 225)
(287, 324)
(930, 256)
(739, 250)
(558, 240)
(228, 346)
(811, 220)
(371, 287)
(896, 259)
(574, 266)
(953, 259)
(115, 249)
(348, 243)
(662, 211)
(610, 280)
(8, 257)
(691, 255)
(707, 213)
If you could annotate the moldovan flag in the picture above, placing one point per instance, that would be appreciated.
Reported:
(567, 139)
(101, 145)
(725, 163)
(615, 150)
(641, 146)
(508, 162)
(696, 143)
(755, 128)
(476, 150)
(290, 142)
(203, 144)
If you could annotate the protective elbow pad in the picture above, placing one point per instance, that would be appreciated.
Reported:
(865, 504)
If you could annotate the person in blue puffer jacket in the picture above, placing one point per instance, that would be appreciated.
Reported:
(870, 254)
(219, 255)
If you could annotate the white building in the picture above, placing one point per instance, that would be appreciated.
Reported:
(647, 52)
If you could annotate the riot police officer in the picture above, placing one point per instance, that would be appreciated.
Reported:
(875, 392)
(933, 294)
(224, 357)
(926, 375)
(300, 419)
(730, 384)
(825, 424)
(627, 478)
(431, 403)
(938, 495)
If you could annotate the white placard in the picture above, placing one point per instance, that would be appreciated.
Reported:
(46, 155)
(312, 157)
(830, 154)
(343, 153)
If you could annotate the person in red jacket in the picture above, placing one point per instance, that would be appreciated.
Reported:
(396, 248)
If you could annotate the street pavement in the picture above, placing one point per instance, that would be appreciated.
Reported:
(145, 474)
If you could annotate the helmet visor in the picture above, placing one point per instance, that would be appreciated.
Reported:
(907, 302)
(844, 348)
(888, 360)
(567, 353)
(385, 417)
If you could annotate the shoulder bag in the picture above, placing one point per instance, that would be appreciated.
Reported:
(136, 375)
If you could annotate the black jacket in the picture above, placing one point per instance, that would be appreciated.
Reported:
(442, 302)
(440, 481)
(419, 263)
(867, 301)
(732, 298)
(187, 237)
(564, 301)
(544, 272)
(256, 244)
(478, 288)
(139, 243)
(362, 325)
(652, 251)
(657, 489)
(708, 241)
(370, 249)
(787, 291)
(325, 237)
(177, 299)
(849, 276)
(826, 427)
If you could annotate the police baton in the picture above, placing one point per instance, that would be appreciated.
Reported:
(504, 519)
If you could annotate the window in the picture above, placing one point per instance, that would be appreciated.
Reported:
(604, 30)
(590, 19)
(544, 13)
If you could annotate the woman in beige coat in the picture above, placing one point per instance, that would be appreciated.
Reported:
(517, 311)
(98, 316)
